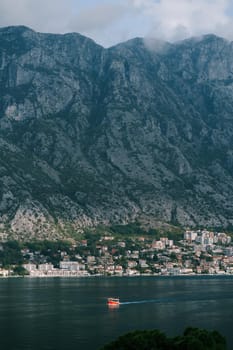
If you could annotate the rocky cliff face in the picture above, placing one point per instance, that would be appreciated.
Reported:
(143, 130)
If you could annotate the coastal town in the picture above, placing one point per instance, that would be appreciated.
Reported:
(198, 252)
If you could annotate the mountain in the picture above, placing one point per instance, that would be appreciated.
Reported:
(140, 131)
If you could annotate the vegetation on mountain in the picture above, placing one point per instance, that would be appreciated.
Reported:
(10, 254)
(14, 253)
(92, 136)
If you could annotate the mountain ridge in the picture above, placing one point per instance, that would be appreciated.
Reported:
(92, 136)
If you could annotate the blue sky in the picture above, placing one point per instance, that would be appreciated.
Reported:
(112, 21)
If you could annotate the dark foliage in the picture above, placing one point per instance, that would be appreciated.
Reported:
(133, 228)
(192, 339)
(10, 254)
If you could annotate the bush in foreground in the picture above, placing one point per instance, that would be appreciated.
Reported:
(192, 339)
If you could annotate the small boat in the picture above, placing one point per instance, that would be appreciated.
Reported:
(113, 301)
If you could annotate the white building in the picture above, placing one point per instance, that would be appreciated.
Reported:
(70, 265)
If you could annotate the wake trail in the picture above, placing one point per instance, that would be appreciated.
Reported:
(146, 301)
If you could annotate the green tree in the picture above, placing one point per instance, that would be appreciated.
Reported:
(192, 339)
(10, 254)
(19, 270)
(200, 339)
(143, 340)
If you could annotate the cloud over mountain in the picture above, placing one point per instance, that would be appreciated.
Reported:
(110, 22)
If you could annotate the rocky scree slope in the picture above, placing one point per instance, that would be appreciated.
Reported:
(140, 131)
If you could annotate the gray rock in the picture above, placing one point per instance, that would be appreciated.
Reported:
(89, 135)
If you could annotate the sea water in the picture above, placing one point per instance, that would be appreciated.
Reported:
(71, 313)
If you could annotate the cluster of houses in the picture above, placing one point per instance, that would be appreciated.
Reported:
(199, 252)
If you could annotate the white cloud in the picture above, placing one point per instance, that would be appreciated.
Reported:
(103, 22)
(111, 21)
(173, 20)
(97, 17)
(40, 15)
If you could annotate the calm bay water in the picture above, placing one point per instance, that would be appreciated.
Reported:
(53, 313)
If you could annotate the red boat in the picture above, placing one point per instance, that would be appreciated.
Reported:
(113, 301)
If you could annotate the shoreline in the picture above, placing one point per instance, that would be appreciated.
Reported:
(123, 276)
